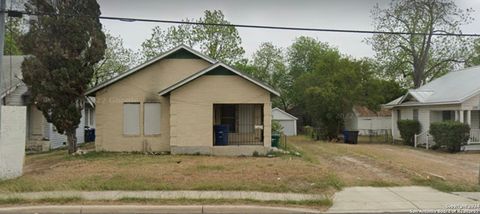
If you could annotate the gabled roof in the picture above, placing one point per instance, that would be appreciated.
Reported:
(283, 113)
(363, 111)
(211, 68)
(91, 91)
(11, 73)
(452, 88)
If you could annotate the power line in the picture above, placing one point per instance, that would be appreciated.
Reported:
(130, 19)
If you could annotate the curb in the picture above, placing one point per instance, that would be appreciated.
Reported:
(155, 209)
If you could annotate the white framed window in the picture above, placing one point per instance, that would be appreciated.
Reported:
(92, 117)
(87, 117)
(151, 118)
(415, 114)
(131, 118)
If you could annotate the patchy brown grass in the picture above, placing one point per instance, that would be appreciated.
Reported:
(122, 171)
(320, 205)
(321, 168)
(394, 165)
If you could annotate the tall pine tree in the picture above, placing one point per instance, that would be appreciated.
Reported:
(64, 43)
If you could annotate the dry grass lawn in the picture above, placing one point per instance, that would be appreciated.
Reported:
(322, 168)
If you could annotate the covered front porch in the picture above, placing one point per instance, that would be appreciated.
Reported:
(238, 124)
(470, 117)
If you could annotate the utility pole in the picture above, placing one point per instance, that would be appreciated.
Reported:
(2, 45)
(2, 37)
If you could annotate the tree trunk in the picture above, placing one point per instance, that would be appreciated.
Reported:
(72, 142)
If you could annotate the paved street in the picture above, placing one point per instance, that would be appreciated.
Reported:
(397, 199)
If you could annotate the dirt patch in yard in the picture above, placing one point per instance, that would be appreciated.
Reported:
(384, 164)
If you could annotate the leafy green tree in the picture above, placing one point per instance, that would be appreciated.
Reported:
(219, 42)
(329, 84)
(474, 58)
(304, 54)
(420, 56)
(269, 65)
(63, 51)
(13, 32)
(117, 59)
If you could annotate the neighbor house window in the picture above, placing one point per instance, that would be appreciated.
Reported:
(92, 120)
(151, 120)
(415, 114)
(446, 115)
(131, 118)
(87, 117)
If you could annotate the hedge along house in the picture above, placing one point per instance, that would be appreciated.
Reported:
(454, 96)
(173, 102)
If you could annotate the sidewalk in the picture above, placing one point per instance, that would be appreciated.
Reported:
(400, 199)
(155, 209)
(116, 195)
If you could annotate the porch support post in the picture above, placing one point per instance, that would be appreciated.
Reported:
(469, 117)
(461, 116)
(456, 116)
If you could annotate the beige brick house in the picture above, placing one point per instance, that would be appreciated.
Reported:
(180, 102)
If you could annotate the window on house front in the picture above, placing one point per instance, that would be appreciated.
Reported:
(151, 120)
(399, 114)
(446, 115)
(131, 118)
(415, 114)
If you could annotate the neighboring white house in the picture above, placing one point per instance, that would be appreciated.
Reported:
(368, 122)
(454, 96)
(41, 135)
(286, 120)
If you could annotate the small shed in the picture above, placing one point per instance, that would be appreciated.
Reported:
(286, 120)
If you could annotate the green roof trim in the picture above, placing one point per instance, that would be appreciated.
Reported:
(220, 70)
(182, 54)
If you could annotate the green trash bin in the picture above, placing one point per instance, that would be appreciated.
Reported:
(275, 140)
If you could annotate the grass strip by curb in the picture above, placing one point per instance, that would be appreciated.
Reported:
(180, 201)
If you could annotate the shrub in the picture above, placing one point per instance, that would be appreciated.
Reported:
(408, 129)
(450, 134)
(276, 127)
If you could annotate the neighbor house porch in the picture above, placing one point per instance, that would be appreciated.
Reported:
(470, 117)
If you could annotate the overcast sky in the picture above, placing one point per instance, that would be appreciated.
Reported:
(339, 14)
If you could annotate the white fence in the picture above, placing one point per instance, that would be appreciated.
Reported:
(424, 139)
(474, 136)
(12, 141)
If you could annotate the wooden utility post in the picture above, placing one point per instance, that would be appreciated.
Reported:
(2, 45)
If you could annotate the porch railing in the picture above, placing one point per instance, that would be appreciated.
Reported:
(474, 136)
(423, 139)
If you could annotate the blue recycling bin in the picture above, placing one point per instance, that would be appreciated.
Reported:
(221, 135)
(89, 134)
(350, 137)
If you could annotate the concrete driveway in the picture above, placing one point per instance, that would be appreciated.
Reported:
(399, 199)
